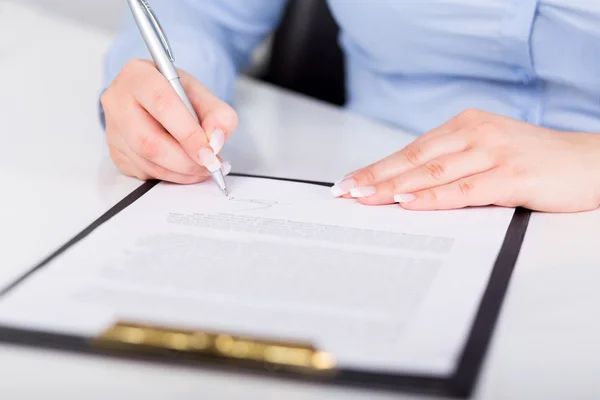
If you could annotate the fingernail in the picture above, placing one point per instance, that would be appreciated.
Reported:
(342, 187)
(404, 198)
(362, 191)
(217, 141)
(209, 160)
(226, 168)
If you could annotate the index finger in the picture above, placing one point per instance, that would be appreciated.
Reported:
(161, 101)
(412, 156)
(218, 119)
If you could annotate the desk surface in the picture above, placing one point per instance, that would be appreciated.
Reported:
(57, 178)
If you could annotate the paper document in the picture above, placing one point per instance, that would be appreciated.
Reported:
(377, 287)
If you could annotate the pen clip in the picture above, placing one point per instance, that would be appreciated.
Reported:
(158, 29)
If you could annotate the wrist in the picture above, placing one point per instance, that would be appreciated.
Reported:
(591, 160)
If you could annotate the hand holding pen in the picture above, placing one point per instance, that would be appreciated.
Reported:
(154, 130)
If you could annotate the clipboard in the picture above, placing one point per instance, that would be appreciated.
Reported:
(283, 359)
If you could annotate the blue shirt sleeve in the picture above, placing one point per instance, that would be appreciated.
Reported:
(211, 39)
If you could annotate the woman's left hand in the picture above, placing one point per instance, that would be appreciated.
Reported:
(479, 159)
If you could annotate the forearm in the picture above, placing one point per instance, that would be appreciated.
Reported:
(211, 39)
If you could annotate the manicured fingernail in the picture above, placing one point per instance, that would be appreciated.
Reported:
(217, 141)
(342, 187)
(404, 198)
(226, 168)
(362, 191)
(209, 160)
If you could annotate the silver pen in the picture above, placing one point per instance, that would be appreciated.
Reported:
(161, 52)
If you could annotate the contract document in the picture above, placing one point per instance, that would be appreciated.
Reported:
(378, 287)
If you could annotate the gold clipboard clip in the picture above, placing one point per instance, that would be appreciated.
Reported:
(265, 353)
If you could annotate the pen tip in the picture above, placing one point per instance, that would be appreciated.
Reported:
(226, 192)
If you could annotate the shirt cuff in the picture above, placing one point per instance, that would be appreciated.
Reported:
(206, 60)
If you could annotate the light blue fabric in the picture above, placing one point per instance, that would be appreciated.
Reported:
(411, 63)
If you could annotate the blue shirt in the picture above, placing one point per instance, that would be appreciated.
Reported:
(411, 63)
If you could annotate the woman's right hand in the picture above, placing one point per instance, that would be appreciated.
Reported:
(152, 135)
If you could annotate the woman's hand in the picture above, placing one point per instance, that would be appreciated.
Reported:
(479, 159)
(152, 135)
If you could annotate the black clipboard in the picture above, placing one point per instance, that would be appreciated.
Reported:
(116, 343)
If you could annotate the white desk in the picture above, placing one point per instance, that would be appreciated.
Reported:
(56, 178)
